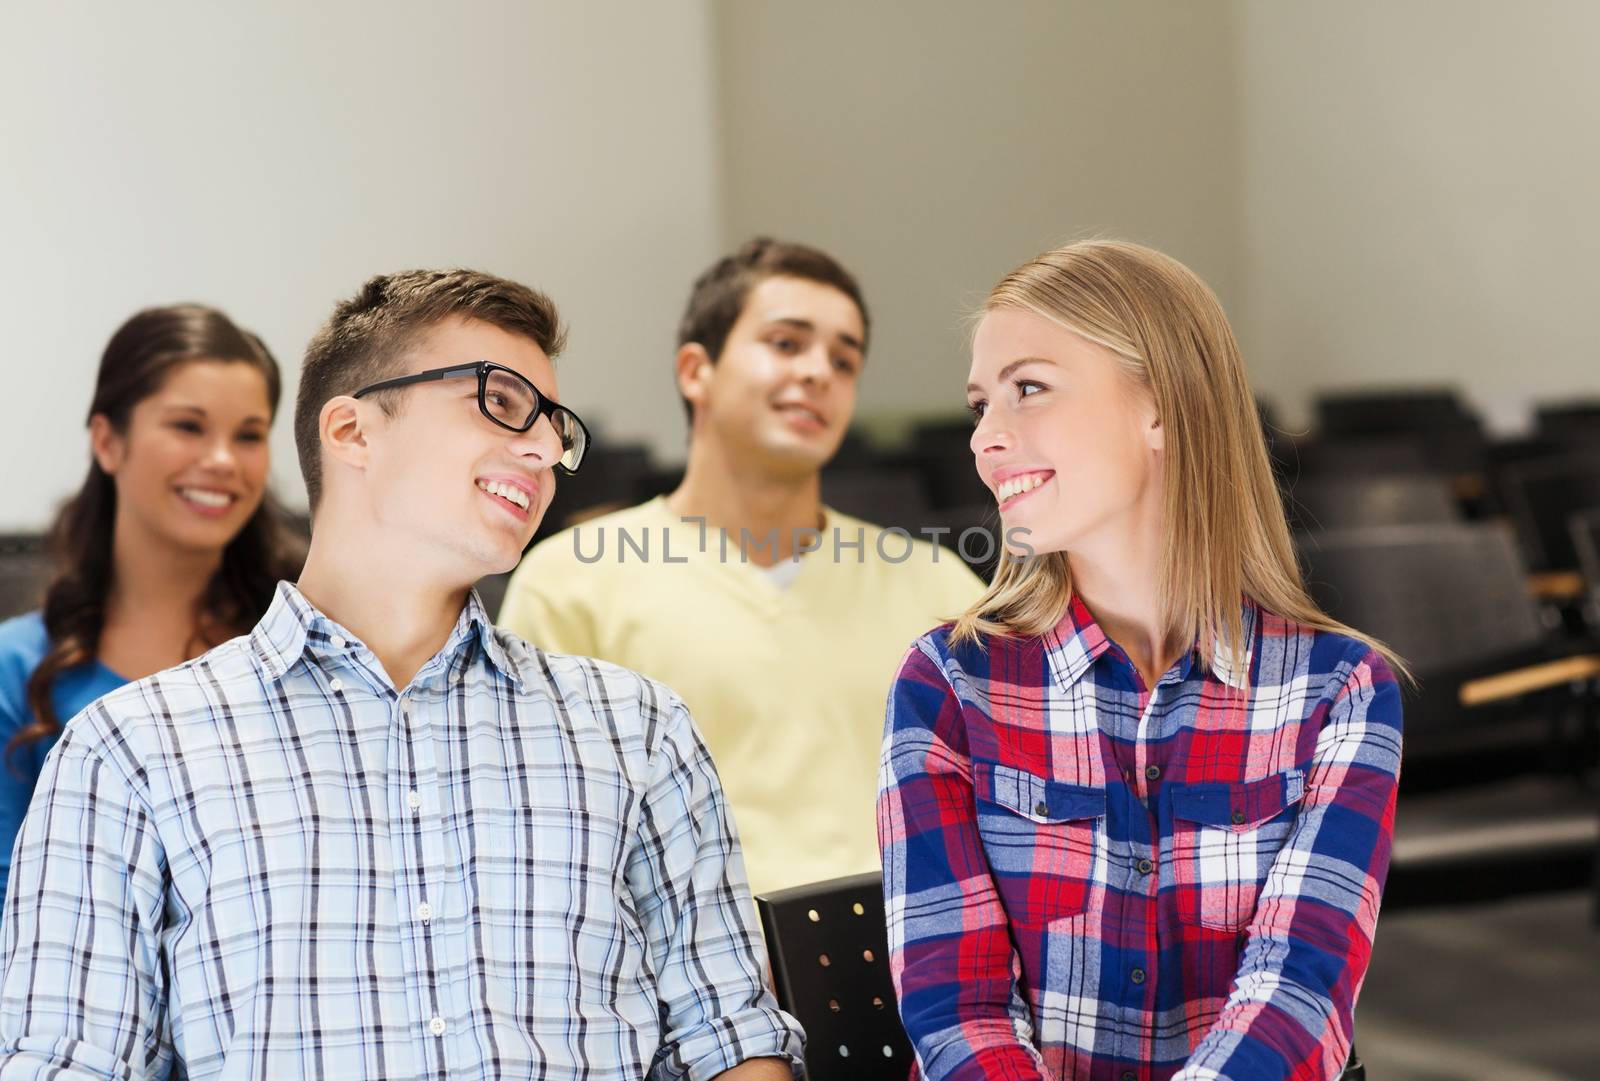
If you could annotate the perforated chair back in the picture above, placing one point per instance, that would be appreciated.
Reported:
(829, 954)
(1443, 596)
(1350, 502)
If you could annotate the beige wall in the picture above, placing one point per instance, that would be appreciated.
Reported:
(934, 147)
(269, 158)
(1378, 191)
(1419, 193)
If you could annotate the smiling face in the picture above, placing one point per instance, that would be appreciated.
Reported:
(1065, 439)
(445, 484)
(783, 391)
(190, 466)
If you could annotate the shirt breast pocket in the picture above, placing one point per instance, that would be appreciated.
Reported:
(1225, 838)
(1041, 838)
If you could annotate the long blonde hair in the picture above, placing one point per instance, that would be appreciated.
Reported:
(1226, 535)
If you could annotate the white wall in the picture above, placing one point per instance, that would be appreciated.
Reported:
(1379, 192)
(269, 158)
(934, 147)
(1420, 197)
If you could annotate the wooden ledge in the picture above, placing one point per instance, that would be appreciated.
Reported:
(1504, 685)
(1556, 586)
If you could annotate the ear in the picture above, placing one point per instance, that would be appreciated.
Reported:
(343, 427)
(106, 444)
(694, 371)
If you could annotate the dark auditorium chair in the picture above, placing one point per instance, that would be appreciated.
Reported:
(24, 572)
(1584, 528)
(1355, 456)
(882, 495)
(829, 951)
(1368, 412)
(1452, 599)
(1541, 495)
(1500, 731)
(1453, 439)
(830, 967)
(1569, 422)
(942, 451)
(1343, 502)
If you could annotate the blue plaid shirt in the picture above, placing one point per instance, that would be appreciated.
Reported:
(1090, 879)
(268, 863)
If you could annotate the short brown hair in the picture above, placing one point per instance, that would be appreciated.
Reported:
(368, 334)
(719, 295)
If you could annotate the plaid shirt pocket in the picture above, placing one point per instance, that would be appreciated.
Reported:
(1224, 839)
(1041, 838)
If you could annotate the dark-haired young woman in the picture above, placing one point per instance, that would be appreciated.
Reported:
(169, 548)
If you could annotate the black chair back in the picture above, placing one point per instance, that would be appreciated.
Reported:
(1443, 596)
(1541, 495)
(24, 572)
(1365, 412)
(830, 967)
(1339, 502)
(1571, 422)
(882, 495)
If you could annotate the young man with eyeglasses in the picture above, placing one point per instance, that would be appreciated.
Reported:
(376, 838)
(781, 621)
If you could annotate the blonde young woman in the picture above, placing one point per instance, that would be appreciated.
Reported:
(1137, 804)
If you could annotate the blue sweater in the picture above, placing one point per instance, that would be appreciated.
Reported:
(23, 644)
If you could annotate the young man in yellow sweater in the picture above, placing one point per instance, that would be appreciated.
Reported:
(779, 620)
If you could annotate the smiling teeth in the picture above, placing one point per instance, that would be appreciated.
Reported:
(206, 498)
(1025, 483)
(507, 492)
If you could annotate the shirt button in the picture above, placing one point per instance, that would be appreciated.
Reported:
(436, 1026)
(1145, 867)
(1129, 1075)
(1238, 818)
(335, 685)
(413, 800)
(1041, 808)
(1152, 773)
(337, 642)
(1137, 975)
(424, 912)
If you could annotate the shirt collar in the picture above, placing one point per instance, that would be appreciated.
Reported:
(293, 626)
(1076, 642)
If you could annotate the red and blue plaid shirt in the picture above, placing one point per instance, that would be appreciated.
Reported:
(1089, 879)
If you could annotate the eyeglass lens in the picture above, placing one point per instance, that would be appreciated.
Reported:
(513, 402)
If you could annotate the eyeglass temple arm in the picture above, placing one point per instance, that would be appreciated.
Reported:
(422, 377)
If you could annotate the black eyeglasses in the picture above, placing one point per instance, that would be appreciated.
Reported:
(507, 398)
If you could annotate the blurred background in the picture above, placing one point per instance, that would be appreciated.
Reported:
(1389, 198)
